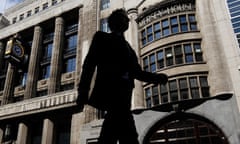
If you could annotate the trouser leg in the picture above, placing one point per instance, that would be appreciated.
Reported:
(128, 133)
(108, 134)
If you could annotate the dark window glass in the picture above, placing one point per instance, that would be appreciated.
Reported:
(160, 59)
(105, 4)
(164, 93)
(178, 54)
(173, 90)
(145, 64)
(152, 63)
(155, 95)
(70, 64)
(169, 56)
(104, 25)
(174, 25)
(183, 23)
(183, 89)
(188, 53)
(165, 26)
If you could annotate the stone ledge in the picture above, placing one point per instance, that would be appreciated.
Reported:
(34, 105)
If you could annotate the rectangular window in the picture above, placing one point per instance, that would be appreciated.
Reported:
(198, 52)
(104, 25)
(169, 56)
(29, 13)
(155, 95)
(160, 59)
(194, 87)
(188, 53)
(183, 89)
(164, 93)
(157, 31)
(45, 6)
(36, 10)
(148, 97)
(183, 23)
(178, 54)
(174, 25)
(14, 20)
(35, 132)
(145, 64)
(48, 51)
(149, 34)
(165, 27)
(54, 2)
(173, 90)
(204, 86)
(104, 4)
(70, 65)
(144, 37)
(21, 17)
(63, 129)
(153, 63)
(193, 22)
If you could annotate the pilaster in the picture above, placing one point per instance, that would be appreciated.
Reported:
(8, 91)
(79, 47)
(132, 36)
(1, 54)
(1, 134)
(56, 63)
(47, 135)
(31, 85)
(22, 134)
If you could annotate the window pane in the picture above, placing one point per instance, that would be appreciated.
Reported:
(145, 64)
(70, 65)
(178, 54)
(157, 27)
(193, 82)
(148, 92)
(173, 85)
(174, 25)
(165, 23)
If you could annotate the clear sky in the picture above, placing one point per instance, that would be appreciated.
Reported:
(7, 3)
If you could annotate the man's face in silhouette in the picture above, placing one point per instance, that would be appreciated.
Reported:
(119, 21)
(124, 22)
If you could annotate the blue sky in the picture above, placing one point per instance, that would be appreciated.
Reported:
(7, 3)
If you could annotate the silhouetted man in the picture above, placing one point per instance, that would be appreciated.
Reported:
(117, 66)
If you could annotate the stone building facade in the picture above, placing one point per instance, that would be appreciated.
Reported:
(190, 40)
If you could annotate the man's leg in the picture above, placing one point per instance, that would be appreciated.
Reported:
(109, 131)
(128, 133)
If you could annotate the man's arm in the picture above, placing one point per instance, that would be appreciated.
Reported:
(145, 76)
(88, 69)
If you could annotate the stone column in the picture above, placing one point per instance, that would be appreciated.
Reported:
(56, 63)
(79, 47)
(31, 85)
(22, 134)
(47, 135)
(132, 37)
(8, 91)
(1, 55)
(1, 134)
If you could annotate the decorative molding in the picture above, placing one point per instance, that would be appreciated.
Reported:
(34, 105)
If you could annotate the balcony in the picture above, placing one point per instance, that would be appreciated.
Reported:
(39, 104)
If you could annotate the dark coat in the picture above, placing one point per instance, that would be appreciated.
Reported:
(117, 66)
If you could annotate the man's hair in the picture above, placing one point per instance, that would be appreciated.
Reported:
(114, 20)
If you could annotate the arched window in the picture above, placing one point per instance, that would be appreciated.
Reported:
(183, 128)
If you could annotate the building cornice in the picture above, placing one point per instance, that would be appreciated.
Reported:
(39, 104)
(42, 16)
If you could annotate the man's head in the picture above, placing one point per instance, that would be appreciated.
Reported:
(118, 21)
